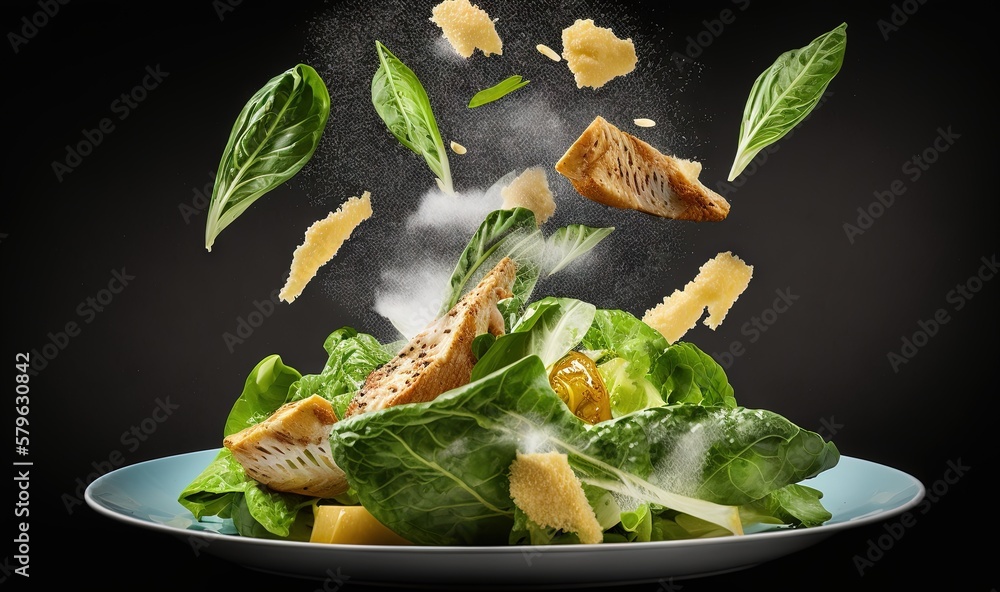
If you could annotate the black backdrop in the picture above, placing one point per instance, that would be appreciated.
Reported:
(125, 227)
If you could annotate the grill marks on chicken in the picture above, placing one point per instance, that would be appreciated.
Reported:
(290, 450)
(440, 357)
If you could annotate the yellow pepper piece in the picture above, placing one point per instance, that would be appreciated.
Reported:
(578, 383)
(351, 525)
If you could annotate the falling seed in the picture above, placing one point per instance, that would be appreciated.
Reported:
(642, 122)
(457, 148)
(548, 52)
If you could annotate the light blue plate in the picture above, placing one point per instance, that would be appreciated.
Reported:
(856, 492)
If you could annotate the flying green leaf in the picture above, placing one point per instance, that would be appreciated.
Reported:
(274, 136)
(402, 103)
(786, 92)
(497, 91)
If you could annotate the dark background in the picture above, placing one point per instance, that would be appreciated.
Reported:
(822, 363)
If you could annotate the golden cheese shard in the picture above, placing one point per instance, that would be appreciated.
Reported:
(322, 241)
(290, 450)
(530, 190)
(617, 169)
(719, 282)
(595, 55)
(547, 490)
(467, 28)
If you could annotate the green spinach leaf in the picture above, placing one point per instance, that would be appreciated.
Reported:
(786, 92)
(274, 136)
(402, 103)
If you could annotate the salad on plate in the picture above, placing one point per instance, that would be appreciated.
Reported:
(512, 418)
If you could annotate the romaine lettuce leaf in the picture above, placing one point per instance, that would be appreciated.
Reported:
(549, 328)
(352, 357)
(223, 489)
(616, 333)
(628, 387)
(436, 472)
(265, 389)
(514, 233)
(504, 233)
(794, 504)
(688, 375)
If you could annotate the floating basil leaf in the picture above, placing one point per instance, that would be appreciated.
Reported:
(786, 92)
(274, 136)
(403, 105)
(497, 91)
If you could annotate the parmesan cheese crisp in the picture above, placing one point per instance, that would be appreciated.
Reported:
(467, 27)
(595, 55)
(544, 486)
(323, 239)
(719, 282)
(530, 190)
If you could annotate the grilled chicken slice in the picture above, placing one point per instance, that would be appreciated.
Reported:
(290, 451)
(617, 169)
(440, 357)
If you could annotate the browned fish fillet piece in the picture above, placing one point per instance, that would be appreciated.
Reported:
(617, 169)
(440, 357)
(290, 451)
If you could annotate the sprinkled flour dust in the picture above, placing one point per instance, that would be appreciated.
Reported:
(412, 241)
